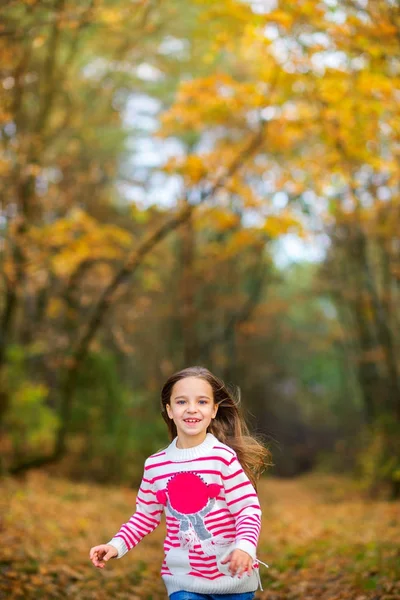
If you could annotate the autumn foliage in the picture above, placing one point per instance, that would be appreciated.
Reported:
(156, 160)
(319, 536)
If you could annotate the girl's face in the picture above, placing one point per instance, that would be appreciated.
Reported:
(191, 407)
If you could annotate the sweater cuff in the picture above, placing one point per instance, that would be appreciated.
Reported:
(246, 547)
(119, 545)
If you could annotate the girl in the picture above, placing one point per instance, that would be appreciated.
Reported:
(204, 481)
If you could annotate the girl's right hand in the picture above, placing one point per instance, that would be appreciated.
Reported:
(99, 555)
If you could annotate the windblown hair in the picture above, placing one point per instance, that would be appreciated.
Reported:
(228, 426)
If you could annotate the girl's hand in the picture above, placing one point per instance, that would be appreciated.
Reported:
(239, 563)
(99, 555)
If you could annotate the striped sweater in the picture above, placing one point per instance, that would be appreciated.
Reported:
(211, 508)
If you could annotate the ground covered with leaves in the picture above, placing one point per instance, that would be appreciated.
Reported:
(321, 538)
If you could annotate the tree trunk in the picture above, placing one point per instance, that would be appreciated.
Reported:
(187, 293)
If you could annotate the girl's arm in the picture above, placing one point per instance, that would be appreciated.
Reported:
(145, 519)
(243, 503)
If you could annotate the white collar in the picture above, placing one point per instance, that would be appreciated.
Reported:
(182, 454)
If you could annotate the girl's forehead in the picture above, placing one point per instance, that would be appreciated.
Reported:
(192, 386)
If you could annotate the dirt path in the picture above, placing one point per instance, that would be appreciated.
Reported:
(321, 538)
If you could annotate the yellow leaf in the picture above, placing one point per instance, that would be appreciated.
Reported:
(276, 225)
(55, 307)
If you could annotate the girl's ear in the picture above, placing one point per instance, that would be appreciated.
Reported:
(215, 411)
(167, 406)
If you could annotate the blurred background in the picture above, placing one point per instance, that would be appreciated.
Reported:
(200, 182)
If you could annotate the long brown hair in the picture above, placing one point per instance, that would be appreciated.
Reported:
(228, 426)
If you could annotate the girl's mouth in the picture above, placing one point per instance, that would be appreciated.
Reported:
(191, 420)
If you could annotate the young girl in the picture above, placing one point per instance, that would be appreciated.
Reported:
(204, 481)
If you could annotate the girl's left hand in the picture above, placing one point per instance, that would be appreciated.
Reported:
(239, 563)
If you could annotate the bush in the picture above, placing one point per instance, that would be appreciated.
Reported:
(380, 461)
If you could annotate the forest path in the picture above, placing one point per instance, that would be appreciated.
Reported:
(321, 538)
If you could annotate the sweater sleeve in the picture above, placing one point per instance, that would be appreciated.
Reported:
(145, 519)
(243, 503)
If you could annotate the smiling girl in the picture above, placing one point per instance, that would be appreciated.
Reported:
(204, 482)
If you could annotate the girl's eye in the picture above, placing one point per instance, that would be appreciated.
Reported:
(180, 402)
(203, 401)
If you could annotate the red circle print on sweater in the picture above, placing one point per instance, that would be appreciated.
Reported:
(188, 493)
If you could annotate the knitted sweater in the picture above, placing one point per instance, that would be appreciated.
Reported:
(211, 508)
